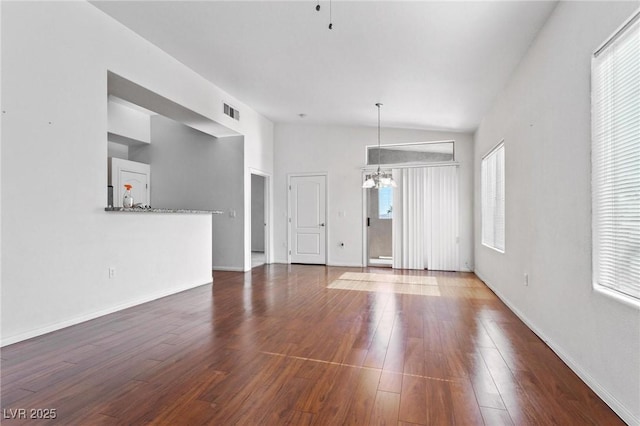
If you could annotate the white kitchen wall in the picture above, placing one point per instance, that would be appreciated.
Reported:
(194, 170)
(125, 121)
(58, 242)
(544, 117)
(340, 151)
(117, 150)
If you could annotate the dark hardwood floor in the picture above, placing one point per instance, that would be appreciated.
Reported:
(277, 346)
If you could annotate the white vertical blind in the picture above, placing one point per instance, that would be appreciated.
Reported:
(425, 218)
(408, 223)
(615, 159)
(492, 198)
(441, 219)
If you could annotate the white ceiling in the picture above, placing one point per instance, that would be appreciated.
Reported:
(434, 65)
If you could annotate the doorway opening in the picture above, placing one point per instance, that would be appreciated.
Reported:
(259, 215)
(380, 226)
(415, 224)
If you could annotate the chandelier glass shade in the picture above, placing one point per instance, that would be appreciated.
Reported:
(379, 178)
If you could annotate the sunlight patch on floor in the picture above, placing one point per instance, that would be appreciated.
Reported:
(388, 278)
(381, 283)
(411, 284)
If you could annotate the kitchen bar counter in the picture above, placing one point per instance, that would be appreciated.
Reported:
(155, 210)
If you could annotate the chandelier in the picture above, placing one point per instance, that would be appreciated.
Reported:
(379, 178)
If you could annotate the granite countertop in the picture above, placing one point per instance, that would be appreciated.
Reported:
(156, 210)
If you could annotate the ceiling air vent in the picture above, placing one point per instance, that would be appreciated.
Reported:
(232, 112)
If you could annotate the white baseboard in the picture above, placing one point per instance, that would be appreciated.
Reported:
(625, 414)
(229, 268)
(381, 262)
(350, 265)
(345, 264)
(93, 315)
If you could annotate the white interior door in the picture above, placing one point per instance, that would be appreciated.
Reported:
(307, 201)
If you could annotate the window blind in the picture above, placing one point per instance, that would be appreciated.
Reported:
(615, 97)
(492, 198)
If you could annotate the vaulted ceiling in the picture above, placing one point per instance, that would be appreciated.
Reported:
(434, 65)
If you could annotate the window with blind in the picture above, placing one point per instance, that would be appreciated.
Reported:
(615, 146)
(492, 198)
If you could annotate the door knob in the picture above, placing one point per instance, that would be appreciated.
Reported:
(322, 224)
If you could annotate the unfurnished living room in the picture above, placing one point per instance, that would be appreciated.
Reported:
(320, 212)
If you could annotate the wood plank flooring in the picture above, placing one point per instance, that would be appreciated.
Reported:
(276, 346)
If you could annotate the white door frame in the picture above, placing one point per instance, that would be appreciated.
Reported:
(326, 209)
(365, 230)
(267, 214)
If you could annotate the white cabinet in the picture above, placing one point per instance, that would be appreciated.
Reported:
(124, 172)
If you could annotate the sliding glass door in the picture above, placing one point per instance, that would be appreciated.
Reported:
(379, 226)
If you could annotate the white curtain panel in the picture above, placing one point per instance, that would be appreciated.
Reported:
(396, 224)
(425, 220)
(441, 219)
(409, 222)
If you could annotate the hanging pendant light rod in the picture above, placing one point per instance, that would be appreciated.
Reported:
(378, 105)
(330, 18)
(379, 179)
(330, 13)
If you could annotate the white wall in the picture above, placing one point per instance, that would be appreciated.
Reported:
(126, 126)
(58, 242)
(125, 121)
(340, 151)
(258, 157)
(117, 150)
(544, 117)
(194, 170)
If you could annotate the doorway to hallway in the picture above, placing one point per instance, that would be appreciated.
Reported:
(259, 219)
